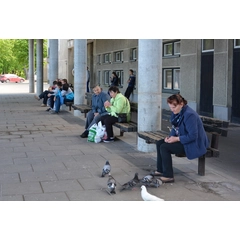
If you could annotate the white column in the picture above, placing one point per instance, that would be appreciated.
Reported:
(39, 66)
(149, 89)
(80, 70)
(53, 60)
(31, 65)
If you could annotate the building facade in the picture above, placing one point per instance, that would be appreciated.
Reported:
(205, 71)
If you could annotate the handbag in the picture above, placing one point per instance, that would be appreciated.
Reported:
(122, 117)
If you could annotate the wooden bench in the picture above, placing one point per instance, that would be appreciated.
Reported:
(212, 126)
(69, 105)
(130, 126)
(84, 108)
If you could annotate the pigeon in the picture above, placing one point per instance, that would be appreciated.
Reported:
(130, 184)
(111, 183)
(147, 179)
(155, 183)
(147, 196)
(106, 169)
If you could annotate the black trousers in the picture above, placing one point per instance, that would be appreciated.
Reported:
(128, 92)
(51, 101)
(44, 96)
(108, 121)
(164, 158)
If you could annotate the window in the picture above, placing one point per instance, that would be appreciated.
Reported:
(133, 54)
(107, 58)
(99, 59)
(106, 77)
(118, 56)
(171, 49)
(171, 79)
(176, 48)
(99, 78)
(168, 49)
(236, 43)
(120, 76)
(207, 45)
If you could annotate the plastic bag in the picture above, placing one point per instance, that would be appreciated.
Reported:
(92, 133)
(99, 132)
(105, 134)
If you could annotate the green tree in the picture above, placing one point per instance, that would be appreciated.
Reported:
(14, 55)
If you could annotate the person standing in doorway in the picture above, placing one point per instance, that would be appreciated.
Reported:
(131, 83)
(88, 79)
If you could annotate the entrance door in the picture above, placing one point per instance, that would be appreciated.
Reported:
(236, 86)
(206, 85)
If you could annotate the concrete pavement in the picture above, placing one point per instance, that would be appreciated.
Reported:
(43, 158)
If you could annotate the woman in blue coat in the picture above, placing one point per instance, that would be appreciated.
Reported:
(187, 137)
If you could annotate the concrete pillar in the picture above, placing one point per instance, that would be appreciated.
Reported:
(39, 66)
(31, 65)
(222, 82)
(80, 71)
(53, 60)
(149, 89)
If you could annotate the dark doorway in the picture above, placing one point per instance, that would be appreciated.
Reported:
(236, 86)
(206, 85)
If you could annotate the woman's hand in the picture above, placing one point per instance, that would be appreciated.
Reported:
(107, 104)
(171, 139)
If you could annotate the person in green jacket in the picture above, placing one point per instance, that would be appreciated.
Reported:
(118, 104)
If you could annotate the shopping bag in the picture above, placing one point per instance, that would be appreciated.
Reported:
(99, 132)
(92, 133)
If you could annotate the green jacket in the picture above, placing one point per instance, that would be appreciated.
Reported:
(120, 104)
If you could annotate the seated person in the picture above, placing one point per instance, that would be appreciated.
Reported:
(98, 109)
(118, 104)
(67, 92)
(63, 95)
(44, 95)
(56, 99)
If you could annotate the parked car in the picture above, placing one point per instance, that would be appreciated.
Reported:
(11, 78)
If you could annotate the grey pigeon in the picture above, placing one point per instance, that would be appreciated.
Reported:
(130, 184)
(106, 169)
(111, 183)
(147, 179)
(155, 183)
(147, 196)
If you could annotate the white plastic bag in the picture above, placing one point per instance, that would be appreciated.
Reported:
(92, 133)
(99, 132)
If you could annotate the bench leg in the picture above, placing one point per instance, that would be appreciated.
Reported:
(121, 133)
(201, 165)
(70, 108)
(214, 141)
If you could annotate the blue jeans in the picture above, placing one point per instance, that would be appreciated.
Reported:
(91, 119)
(57, 104)
(164, 158)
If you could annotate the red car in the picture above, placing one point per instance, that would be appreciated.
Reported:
(11, 78)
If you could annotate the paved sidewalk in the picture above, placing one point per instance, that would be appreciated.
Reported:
(43, 158)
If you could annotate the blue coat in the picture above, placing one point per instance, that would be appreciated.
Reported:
(98, 103)
(191, 133)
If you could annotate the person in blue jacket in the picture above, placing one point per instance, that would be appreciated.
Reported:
(131, 83)
(93, 116)
(187, 137)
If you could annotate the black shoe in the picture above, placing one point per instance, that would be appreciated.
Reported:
(108, 140)
(48, 109)
(84, 134)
